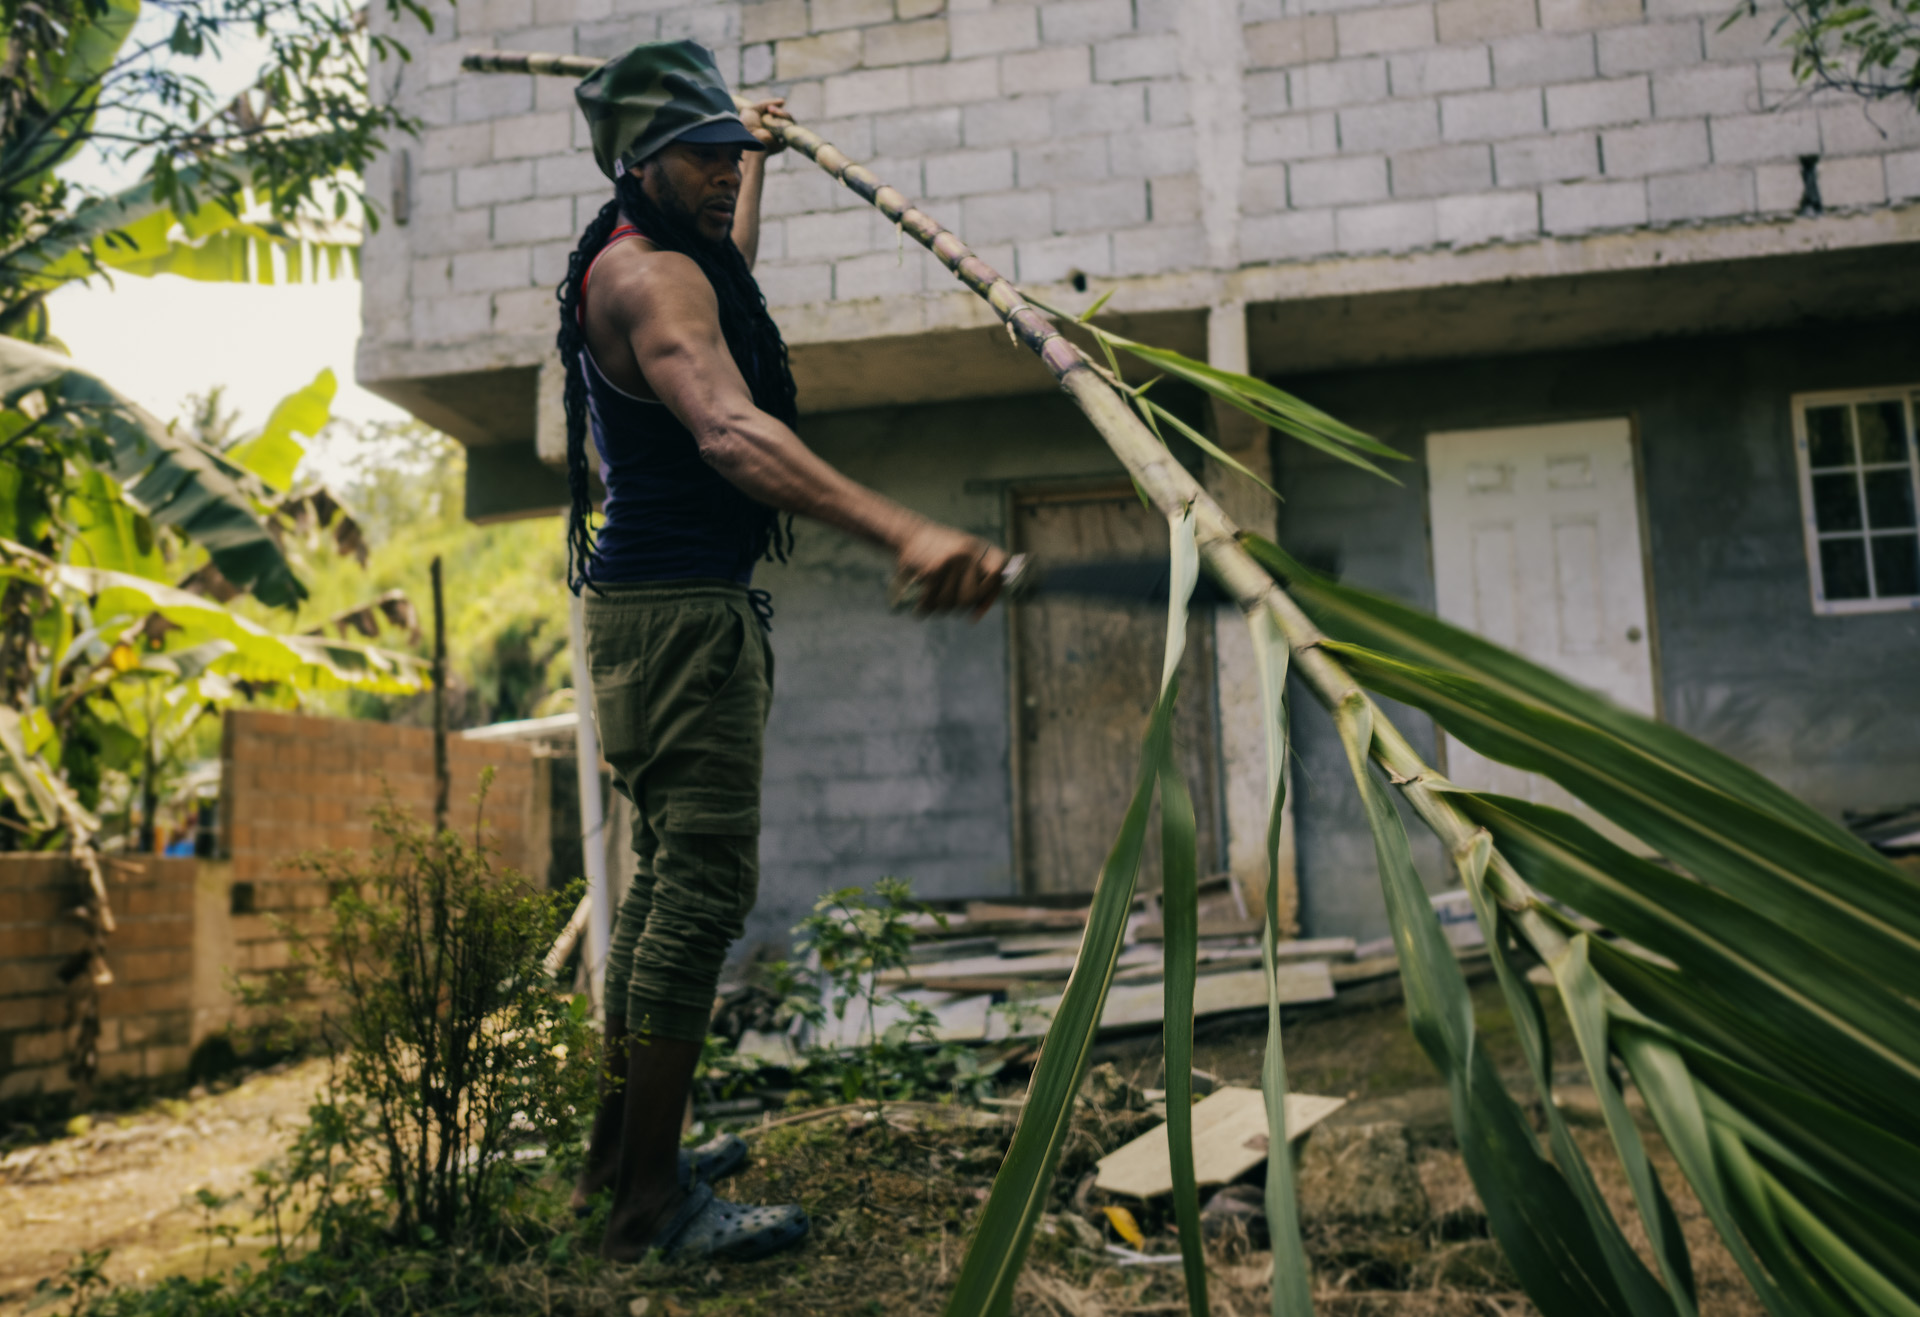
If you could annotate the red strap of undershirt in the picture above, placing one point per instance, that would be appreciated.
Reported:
(624, 231)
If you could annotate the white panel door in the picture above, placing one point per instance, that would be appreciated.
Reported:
(1536, 546)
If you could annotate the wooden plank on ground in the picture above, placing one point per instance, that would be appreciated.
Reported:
(1144, 1003)
(1229, 1139)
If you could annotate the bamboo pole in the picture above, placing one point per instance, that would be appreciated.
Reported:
(1168, 484)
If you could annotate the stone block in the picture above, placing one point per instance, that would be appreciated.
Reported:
(1338, 181)
(532, 135)
(817, 56)
(1154, 152)
(1172, 199)
(1448, 68)
(1136, 57)
(1903, 175)
(1441, 170)
(881, 274)
(1293, 137)
(829, 15)
(919, 132)
(1383, 29)
(1338, 82)
(1263, 189)
(793, 192)
(1023, 214)
(1850, 127)
(1579, 207)
(1747, 138)
(919, 8)
(482, 99)
(1266, 93)
(756, 64)
(1706, 89)
(1854, 181)
(1361, 1175)
(1483, 20)
(1588, 15)
(1101, 108)
(451, 319)
(1050, 260)
(830, 235)
(483, 185)
(1487, 116)
(1645, 47)
(474, 17)
(1167, 103)
(956, 82)
(523, 311)
(1110, 205)
(957, 173)
(456, 146)
(994, 31)
(1064, 160)
(1159, 248)
(770, 20)
(1040, 71)
(1543, 57)
(1778, 85)
(1082, 22)
(1748, 36)
(610, 38)
(533, 221)
(1598, 104)
(1396, 226)
(1701, 194)
(1004, 123)
(1289, 41)
(1489, 217)
(795, 284)
(905, 43)
(1777, 188)
(1395, 126)
(570, 174)
(870, 91)
(1656, 148)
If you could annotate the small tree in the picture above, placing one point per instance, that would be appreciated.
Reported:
(1868, 48)
(450, 1046)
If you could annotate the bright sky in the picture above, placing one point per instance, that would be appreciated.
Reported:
(157, 340)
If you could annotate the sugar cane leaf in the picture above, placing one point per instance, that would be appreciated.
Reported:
(1364, 618)
(1523, 1005)
(1000, 1240)
(1663, 1080)
(1291, 1296)
(1835, 896)
(1860, 1037)
(1206, 445)
(1534, 1214)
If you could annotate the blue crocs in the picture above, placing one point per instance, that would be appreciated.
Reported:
(709, 1227)
(716, 1159)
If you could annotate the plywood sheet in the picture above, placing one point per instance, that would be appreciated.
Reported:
(1229, 1139)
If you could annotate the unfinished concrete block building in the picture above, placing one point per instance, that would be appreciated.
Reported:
(1644, 313)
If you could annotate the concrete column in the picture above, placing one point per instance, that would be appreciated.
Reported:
(1243, 749)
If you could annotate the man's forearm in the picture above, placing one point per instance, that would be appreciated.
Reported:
(769, 463)
(746, 208)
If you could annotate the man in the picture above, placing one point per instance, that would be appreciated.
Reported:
(680, 374)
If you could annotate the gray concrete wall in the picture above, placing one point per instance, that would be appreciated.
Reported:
(1827, 706)
(887, 752)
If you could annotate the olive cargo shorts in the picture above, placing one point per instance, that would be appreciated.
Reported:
(682, 677)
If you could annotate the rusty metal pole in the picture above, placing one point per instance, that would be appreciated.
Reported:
(441, 777)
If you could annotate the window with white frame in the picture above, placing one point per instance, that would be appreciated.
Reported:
(1859, 490)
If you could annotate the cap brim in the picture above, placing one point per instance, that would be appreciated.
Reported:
(721, 132)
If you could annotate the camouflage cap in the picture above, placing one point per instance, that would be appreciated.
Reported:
(656, 93)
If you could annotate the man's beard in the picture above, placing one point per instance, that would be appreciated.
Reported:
(684, 221)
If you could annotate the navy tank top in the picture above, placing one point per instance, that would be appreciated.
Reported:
(668, 516)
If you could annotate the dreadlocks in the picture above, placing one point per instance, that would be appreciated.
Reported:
(752, 338)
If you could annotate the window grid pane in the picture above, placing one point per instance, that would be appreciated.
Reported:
(1862, 479)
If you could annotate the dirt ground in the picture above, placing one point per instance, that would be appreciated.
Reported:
(891, 1200)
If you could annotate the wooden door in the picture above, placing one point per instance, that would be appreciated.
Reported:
(1086, 675)
(1537, 547)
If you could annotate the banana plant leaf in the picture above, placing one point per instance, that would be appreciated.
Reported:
(179, 482)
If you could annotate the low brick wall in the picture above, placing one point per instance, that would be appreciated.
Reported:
(146, 1025)
(293, 785)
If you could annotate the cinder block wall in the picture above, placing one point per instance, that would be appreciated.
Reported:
(146, 1016)
(292, 785)
(1118, 138)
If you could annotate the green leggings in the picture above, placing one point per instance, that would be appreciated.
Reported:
(682, 678)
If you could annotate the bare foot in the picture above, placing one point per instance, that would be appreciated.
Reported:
(631, 1228)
